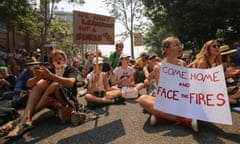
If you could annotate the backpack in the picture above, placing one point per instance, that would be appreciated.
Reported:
(7, 114)
(70, 108)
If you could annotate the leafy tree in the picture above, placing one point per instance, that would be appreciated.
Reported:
(46, 12)
(28, 19)
(17, 14)
(61, 36)
(196, 21)
(129, 13)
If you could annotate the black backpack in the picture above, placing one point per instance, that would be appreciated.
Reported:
(7, 114)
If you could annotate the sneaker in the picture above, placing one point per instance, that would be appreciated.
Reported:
(190, 123)
(119, 100)
(155, 120)
(194, 125)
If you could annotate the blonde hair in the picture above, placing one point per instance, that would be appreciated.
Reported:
(56, 52)
(166, 44)
(204, 54)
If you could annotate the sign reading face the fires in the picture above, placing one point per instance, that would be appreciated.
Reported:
(93, 28)
(193, 93)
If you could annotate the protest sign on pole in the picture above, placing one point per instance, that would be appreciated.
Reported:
(92, 28)
(138, 40)
(193, 93)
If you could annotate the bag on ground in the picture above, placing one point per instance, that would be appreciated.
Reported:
(129, 92)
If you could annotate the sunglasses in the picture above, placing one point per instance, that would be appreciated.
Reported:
(216, 46)
(177, 45)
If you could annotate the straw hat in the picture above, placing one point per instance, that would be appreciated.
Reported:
(228, 52)
(224, 48)
(31, 61)
(185, 55)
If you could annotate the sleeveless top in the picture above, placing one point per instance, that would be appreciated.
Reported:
(99, 86)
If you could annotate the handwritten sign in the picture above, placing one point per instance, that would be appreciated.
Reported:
(92, 28)
(193, 93)
(138, 40)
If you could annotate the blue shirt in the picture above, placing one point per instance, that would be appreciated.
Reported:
(22, 80)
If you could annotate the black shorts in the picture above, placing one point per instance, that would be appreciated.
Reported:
(99, 93)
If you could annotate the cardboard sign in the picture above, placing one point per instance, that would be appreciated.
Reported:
(92, 28)
(138, 40)
(193, 93)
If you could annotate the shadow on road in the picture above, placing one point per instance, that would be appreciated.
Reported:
(98, 135)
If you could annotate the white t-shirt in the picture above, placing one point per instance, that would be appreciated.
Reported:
(121, 73)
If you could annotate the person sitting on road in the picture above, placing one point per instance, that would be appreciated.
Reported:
(124, 75)
(149, 83)
(172, 49)
(44, 84)
(99, 90)
(20, 88)
(138, 66)
(7, 81)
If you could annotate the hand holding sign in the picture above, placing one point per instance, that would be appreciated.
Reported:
(193, 93)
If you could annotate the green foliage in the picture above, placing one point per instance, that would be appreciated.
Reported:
(61, 36)
(17, 13)
(130, 14)
(196, 21)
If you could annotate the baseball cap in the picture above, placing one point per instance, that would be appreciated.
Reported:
(3, 68)
(150, 57)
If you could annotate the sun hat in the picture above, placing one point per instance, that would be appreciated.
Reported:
(185, 55)
(224, 48)
(31, 61)
(124, 55)
(100, 60)
(229, 52)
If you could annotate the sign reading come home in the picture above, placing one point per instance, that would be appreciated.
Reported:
(92, 28)
(194, 93)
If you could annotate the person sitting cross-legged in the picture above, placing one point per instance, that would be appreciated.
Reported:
(99, 91)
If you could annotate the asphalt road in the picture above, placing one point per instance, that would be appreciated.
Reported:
(125, 124)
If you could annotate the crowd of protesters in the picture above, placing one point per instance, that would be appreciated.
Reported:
(105, 77)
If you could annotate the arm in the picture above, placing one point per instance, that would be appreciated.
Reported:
(146, 72)
(156, 73)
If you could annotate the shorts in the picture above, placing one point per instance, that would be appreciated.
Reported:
(99, 93)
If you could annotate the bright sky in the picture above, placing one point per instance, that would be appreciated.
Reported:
(98, 7)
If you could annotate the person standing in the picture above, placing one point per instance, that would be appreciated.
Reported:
(114, 57)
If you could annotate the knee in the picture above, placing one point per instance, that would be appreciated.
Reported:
(141, 99)
(88, 97)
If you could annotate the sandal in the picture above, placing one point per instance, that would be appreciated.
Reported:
(19, 130)
(8, 126)
(78, 117)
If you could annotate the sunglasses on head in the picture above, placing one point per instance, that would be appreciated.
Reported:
(216, 46)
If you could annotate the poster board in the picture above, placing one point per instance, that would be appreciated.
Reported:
(91, 28)
(193, 93)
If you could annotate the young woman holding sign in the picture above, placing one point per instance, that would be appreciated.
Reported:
(171, 49)
(210, 56)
